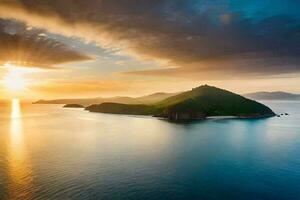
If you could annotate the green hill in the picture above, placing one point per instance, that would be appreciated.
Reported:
(197, 103)
(118, 108)
(73, 106)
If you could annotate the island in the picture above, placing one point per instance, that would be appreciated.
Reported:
(198, 103)
(281, 96)
(147, 99)
(73, 106)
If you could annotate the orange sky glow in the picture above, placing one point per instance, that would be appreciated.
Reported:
(98, 48)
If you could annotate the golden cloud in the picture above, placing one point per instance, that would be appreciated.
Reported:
(172, 30)
(19, 46)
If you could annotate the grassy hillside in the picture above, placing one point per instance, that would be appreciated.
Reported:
(117, 108)
(197, 103)
(73, 106)
(213, 101)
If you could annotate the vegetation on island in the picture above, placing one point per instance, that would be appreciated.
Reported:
(198, 103)
(73, 106)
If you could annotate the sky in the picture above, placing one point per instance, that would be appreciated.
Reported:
(74, 48)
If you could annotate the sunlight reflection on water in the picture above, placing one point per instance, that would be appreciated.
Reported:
(20, 179)
(47, 152)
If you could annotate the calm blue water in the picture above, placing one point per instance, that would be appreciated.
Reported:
(47, 152)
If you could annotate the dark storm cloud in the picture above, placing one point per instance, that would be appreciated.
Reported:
(196, 36)
(30, 47)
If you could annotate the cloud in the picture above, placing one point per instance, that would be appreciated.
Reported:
(231, 67)
(92, 87)
(26, 47)
(203, 38)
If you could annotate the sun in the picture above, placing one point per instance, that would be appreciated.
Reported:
(14, 80)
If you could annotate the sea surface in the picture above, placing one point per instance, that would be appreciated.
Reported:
(48, 152)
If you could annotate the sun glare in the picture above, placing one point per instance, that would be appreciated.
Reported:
(14, 80)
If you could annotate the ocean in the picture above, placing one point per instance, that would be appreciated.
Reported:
(48, 152)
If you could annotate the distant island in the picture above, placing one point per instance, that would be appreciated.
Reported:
(273, 96)
(73, 106)
(198, 103)
(148, 99)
